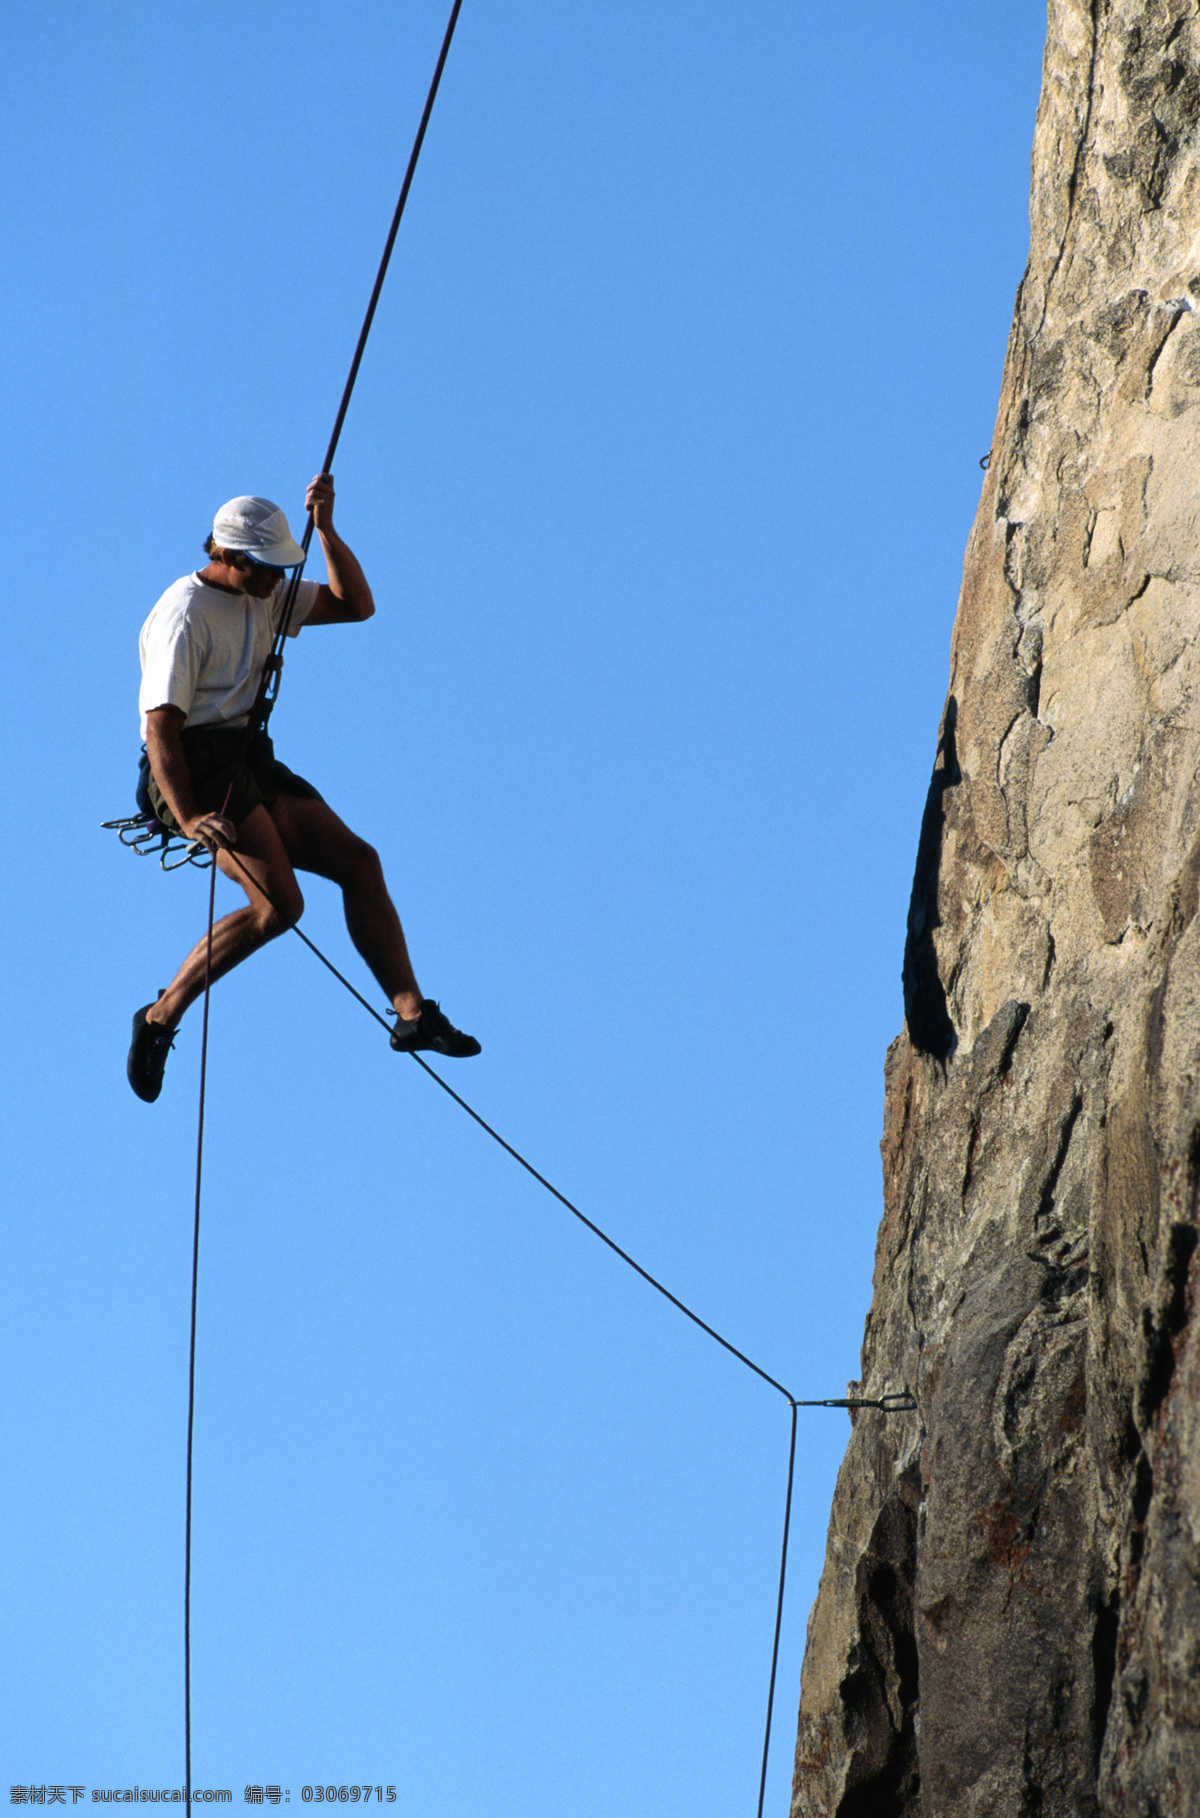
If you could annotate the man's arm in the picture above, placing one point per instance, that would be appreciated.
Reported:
(347, 598)
(164, 748)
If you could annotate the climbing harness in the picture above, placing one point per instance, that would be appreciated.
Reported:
(145, 834)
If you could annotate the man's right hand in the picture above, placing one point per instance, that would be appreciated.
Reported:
(164, 748)
(212, 830)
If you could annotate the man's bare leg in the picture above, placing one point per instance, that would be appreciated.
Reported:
(260, 864)
(317, 840)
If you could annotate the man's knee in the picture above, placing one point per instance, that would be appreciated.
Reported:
(361, 864)
(282, 912)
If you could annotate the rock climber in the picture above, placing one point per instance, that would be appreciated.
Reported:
(203, 649)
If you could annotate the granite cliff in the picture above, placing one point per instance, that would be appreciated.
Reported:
(1008, 1622)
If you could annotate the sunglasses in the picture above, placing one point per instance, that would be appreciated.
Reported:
(249, 561)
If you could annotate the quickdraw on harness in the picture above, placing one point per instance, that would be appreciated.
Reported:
(149, 837)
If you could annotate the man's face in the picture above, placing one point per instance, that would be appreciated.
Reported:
(254, 578)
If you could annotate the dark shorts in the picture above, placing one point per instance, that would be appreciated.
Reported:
(212, 754)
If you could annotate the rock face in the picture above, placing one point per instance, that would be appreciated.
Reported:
(1009, 1617)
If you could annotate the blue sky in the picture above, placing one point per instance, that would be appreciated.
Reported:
(662, 463)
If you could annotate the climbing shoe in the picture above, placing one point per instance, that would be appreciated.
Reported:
(148, 1051)
(434, 1032)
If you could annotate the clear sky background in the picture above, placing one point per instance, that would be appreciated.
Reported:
(662, 463)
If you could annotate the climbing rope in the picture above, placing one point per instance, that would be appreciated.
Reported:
(268, 690)
(191, 1418)
(131, 833)
(898, 1403)
(272, 670)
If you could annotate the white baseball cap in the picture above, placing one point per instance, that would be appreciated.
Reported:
(258, 529)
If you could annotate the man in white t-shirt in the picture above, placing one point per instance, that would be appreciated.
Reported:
(203, 649)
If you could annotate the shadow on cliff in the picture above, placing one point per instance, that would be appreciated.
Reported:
(929, 1026)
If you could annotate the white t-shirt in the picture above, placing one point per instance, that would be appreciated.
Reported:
(203, 649)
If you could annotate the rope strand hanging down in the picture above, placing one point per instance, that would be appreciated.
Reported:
(260, 713)
(191, 1418)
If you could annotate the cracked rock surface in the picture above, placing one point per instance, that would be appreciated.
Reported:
(1008, 1622)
